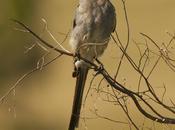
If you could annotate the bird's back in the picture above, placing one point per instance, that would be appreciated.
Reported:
(94, 22)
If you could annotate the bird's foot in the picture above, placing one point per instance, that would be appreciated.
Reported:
(100, 69)
(75, 73)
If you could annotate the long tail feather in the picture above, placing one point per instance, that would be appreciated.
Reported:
(80, 83)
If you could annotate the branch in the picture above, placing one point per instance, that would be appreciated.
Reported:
(136, 97)
(24, 77)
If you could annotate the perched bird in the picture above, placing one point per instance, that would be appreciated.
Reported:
(93, 24)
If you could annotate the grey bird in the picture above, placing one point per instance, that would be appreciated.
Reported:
(93, 24)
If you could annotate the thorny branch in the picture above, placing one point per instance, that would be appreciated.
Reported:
(139, 97)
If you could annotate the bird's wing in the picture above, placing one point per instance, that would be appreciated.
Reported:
(74, 21)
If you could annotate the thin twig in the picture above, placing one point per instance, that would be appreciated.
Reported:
(24, 77)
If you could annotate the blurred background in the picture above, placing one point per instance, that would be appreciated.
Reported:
(43, 101)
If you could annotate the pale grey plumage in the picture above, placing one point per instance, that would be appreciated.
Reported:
(94, 22)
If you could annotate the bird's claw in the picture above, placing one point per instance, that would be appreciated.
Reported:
(75, 73)
(99, 69)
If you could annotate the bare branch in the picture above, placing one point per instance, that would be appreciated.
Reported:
(24, 77)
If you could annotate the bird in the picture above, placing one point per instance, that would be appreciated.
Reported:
(93, 23)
